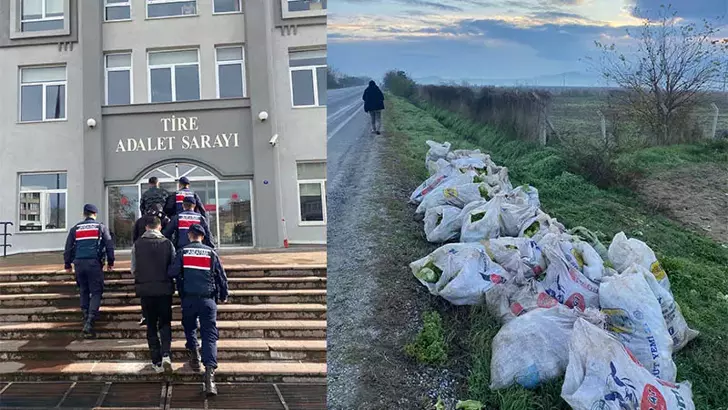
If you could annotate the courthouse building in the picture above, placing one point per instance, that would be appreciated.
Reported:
(99, 95)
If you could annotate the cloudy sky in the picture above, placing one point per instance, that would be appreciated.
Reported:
(487, 39)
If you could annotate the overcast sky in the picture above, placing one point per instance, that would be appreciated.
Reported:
(485, 39)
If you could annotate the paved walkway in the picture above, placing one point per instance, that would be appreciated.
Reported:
(295, 256)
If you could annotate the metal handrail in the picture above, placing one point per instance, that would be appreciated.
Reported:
(5, 234)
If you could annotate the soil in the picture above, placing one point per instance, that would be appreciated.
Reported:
(695, 196)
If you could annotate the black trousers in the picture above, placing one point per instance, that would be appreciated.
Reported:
(158, 311)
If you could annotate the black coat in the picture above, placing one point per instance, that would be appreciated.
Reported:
(151, 256)
(140, 225)
(373, 98)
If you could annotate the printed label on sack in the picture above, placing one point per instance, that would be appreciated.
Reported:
(546, 301)
(516, 308)
(652, 399)
(577, 277)
(618, 321)
(450, 192)
(657, 270)
(576, 301)
(496, 278)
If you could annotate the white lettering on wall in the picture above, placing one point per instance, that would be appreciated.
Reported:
(187, 142)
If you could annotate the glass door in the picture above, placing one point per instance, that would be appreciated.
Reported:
(235, 213)
(123, 206)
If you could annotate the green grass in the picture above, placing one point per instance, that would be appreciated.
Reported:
(429, 345)
(697, 266)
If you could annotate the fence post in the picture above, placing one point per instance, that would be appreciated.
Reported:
(603, 122)
(715, 120)
(542, 120)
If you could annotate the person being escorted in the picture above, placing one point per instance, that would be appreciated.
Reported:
(151, 257)
(202, 283)
(156, 210)
(176, 230)
(87, 245)
(175, 202)
(374, 105)
(152, 196)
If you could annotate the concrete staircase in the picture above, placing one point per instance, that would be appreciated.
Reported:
(273, 329)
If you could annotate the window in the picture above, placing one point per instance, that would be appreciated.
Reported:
(118, 79)
(171, 8)
(306, 5)
(312, 192)
(42, 94)
(230, 72)
(308, 78)
(41, 15)
(174, 76)
(42, 202)
(227, 6)
(117, 10)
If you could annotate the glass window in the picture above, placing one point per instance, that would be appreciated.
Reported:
(308, 78)
(305, 5)
(312, 192)
(42, 94)
(116, 10)
(230, 72)
(171, 8)
(235, 213)
(227, 6)
(41, 15)
(42, 202)
(123, 213)
(118, 79)
(174, 76)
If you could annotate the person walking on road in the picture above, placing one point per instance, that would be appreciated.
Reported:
(153, 196)
(374, 105)
(151, 257)
(201, 282)
(175, 202)
(176, 230)
(87, 245)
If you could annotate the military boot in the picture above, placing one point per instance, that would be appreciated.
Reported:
(210, 387)
(194, 359)
(84, 315)
(88, 330)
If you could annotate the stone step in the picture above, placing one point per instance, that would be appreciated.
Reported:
(231, 271)
(129, 298)
(239, 350)
(60, 370)
(127, 285)
(133, 313)
(241, 329)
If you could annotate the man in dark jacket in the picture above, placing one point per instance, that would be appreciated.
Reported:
(153, 195)
(201, 282)
(151, 257)
(87, 245)
(140, 225)
(176, 230)
(374, 104)
(175, 202)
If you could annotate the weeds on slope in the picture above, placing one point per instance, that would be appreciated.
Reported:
(697, 266)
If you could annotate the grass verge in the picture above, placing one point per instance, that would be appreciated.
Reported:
(429, 346)
(697, 266)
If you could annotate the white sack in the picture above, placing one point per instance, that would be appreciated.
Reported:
(566, 283)
(519, 256)
(677, 327)
(479, 220)
(458, 196)
(582, 256)
(592, 239)
(624, 252)
(459, 273)
(602, 375)
(437, 151)
(634, 316)
(442, 223)
(445, 171)
(539, 226)
(469, 164)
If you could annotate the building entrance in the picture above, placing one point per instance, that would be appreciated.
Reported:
(228, 204)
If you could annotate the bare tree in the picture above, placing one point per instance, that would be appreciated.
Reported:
(674, 63)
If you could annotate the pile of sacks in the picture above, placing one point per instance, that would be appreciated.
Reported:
(603, 317)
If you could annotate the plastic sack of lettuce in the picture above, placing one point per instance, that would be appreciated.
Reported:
(460, 273)
(534, 348)
(603, 374)
(624, 252)
(442, 223)
(539, 226)
(634, 316)
(479, 220)
(459, 195)
(519, 256)
(565, 282)
(592, 239)
(437, 151)
(446, 171)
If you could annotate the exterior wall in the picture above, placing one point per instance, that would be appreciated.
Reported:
(88, 154)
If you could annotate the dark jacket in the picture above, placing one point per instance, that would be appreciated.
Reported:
(153, 196)
(176, 230)
(88, 239)
(140, 225)
(373, 98)
(151, 257)
(174, 203)
(199, 273)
